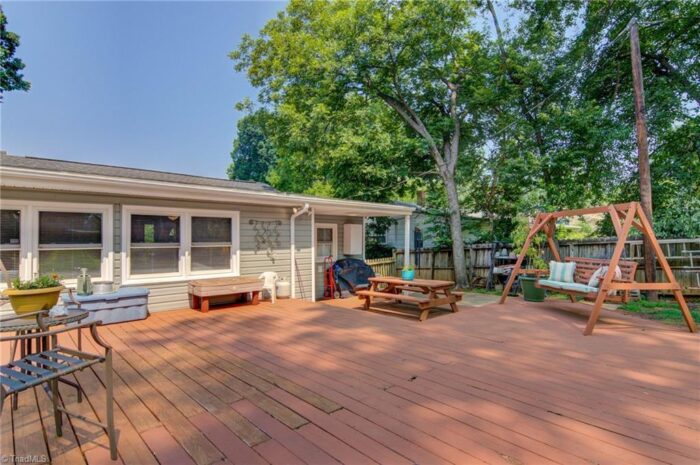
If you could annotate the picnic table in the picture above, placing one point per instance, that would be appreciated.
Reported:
(434, 293)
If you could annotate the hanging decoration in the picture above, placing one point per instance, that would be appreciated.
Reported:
(266, 236)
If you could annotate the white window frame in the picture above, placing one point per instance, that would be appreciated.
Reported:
(25, 241)
(185, 248)
(29, 235)
(334, 246)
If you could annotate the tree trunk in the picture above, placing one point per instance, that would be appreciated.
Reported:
(460, 265)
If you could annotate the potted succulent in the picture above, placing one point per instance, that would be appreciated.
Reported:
(40, 293)
(408, 273)
(534, 260)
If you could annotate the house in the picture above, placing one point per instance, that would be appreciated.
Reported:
(421, 235)
(160, 230)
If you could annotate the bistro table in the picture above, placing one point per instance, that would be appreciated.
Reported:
(21, 325)
(434, 293)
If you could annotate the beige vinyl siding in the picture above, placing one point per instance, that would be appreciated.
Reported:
(340, 221)
(253, 260)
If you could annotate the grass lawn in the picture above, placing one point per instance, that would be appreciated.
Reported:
(665, 311)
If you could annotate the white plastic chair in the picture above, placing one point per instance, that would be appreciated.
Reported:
(270, 283)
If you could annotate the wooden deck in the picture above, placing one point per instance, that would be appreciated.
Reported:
(326, 383)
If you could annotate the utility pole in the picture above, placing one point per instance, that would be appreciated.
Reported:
(642, 151)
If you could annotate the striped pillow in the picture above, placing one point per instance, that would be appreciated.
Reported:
(562, 272)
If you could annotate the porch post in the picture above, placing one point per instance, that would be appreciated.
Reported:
(313, 255)
(364, 239)
(407, 240)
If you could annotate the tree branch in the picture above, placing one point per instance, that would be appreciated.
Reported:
(416, 124)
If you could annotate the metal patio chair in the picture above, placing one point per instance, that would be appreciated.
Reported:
(52, 362)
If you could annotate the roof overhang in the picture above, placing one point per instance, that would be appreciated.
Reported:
(11, 177)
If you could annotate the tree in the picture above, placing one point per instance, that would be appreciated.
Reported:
(253, 153)
(11, 77)
(424, 60)
(669, 39)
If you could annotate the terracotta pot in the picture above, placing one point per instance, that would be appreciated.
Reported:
(32, 300)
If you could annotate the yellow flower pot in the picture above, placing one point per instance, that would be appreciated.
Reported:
(32, 300)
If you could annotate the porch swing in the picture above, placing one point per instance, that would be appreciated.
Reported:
(619, 275)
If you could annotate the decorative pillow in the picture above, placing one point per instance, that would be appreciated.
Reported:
(562, 271)
(600, 273)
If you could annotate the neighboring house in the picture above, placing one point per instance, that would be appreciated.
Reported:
(159, 230)
(420, 224)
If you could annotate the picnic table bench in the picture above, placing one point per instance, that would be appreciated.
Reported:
(434, 293)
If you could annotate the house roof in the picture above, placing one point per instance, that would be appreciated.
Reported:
(48, 164)
(61, 175)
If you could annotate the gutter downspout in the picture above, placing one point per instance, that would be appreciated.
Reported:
(292, 245)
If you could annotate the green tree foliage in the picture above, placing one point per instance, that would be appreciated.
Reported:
(356, 150)
(253, 152)
(10, 66)
(370, 99)
(424, 60)
(670, 49)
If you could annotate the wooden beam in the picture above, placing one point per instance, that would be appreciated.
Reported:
(607, 280)
(543, 219)
(636, 224)
(615, 218)
(589, 211)
(648, 231)
(539, 223)
(644, 286)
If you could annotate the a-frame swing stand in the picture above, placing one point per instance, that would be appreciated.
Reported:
(624, 217)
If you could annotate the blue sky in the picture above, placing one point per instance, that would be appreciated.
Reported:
(141, 84)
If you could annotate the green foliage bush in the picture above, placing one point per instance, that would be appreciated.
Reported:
(41, 282)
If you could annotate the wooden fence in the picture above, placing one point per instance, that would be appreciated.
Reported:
(383, 266)
(683, 255)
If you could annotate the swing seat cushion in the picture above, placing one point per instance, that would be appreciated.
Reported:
(575, 287)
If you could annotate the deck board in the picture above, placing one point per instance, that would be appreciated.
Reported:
(325, 383)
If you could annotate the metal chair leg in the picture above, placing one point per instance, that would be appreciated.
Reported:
(58, 419)
(110, 405)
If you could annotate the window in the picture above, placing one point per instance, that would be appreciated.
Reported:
(326, 237)
(38, 237)
(10, 238)
(155, 244)
(69, 241)
(170, 244)
(211, 243)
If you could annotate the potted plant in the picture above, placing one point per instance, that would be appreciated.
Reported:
(534, 260)
(408, 273)
(40, 293)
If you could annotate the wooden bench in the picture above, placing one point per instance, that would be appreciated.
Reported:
(201, 291)
(391, 296)
(585, 267)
